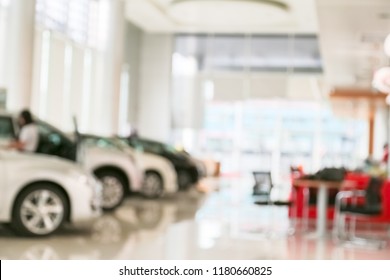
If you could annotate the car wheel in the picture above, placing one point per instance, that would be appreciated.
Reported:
(113, 189)
(153, 186)
(184, 180)
(39, 210)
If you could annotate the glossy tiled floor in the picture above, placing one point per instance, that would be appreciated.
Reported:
(221, 223)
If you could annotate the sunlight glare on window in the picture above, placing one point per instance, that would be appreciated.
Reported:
(82, 21)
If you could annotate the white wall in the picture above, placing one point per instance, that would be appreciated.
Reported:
(55, 86)
(67, 82)
(76, 84)
(35, 98)
(154, 117)
(187, 102)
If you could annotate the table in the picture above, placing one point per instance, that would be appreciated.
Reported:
(322, 199)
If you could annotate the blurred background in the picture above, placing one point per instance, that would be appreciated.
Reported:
(250, 85)
(244, 83)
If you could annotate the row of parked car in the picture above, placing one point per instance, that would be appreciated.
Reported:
(72, 178)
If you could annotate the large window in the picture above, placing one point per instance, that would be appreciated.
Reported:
(6, 128)
(256, 53)
(238, 80)
(271, 135)
(80, 20)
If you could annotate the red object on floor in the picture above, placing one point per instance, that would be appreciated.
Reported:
(360, 181)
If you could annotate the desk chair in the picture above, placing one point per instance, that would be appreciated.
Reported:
(262, 192)
(263, 184)
(263, 188)
(360, 205)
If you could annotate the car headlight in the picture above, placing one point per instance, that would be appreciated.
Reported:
(83, 178)
(93, 183)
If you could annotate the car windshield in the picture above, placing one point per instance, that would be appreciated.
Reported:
(152, 146)
(120, 143)
(170, 149)
(101, 142)
(173, 150)
(6, 128)
(47, 129)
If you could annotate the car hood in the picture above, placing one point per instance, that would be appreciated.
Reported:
(37, 160)
(150, 160)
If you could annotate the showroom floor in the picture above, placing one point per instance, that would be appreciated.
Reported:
(219, 222)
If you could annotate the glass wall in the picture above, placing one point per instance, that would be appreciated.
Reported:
(70, 41)
(262, 106)
(82, 21)
(265, 135)
(258, 52)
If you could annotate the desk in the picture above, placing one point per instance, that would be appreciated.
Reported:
(322, 199)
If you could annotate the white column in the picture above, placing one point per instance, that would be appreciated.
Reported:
(132, 59)
(380, 132)
(276, 152)
(154, 119)
(317, 136)
(3, 45)
(108, 109)
(20, 60)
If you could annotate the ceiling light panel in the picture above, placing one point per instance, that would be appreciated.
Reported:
(228, 12)
(224, 16)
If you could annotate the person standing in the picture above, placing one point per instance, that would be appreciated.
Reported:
(28, 137)
(385, 156)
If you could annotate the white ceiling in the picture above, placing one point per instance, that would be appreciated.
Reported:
(223, 16)
(351, 36)
(351, 32)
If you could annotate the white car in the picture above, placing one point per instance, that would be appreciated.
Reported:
(159, 174)
(41, 193)
(119, 174)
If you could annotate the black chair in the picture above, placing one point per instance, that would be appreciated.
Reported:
(371, 206)
(263, 188)
(263, 184)
(262, 196)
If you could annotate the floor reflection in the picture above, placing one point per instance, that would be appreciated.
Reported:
(112, 236)
(221, 222)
